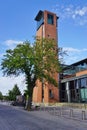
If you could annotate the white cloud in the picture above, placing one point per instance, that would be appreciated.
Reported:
(7, 83)
(85, 49)
(77, 14)
(81, 11)
(12, 43)
(74, 54)
(70, 49)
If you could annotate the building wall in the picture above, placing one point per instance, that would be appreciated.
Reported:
(39, 33)
(37, 92)
(81, 73)
(47, 31)
(50, 30)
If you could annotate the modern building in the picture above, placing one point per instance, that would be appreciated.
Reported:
(73, 82)
(46, 28)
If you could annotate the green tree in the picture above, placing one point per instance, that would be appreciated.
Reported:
(1, 96)
(20, 60)
(13, 93)
(36, 62)
(46, 58)
(10, 95)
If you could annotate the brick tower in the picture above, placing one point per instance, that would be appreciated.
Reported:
(46, 28)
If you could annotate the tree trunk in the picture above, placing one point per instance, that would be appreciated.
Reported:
(29, 104)
(30, 85)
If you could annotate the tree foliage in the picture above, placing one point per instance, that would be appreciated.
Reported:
(1, 96)
(36, 62)
(46, 58)
(13, 93)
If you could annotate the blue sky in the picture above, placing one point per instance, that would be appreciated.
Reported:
(17, 24)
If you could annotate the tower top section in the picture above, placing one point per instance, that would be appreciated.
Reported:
(41, 14)
(44, 16)
(46, 24)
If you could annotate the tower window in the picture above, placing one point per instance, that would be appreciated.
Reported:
(50, 19)
(50, 94)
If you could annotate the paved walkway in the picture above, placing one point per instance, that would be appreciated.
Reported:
(67, 112)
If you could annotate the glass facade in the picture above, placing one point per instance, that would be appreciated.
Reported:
(83, 82)
(76, 92)
(75, 68)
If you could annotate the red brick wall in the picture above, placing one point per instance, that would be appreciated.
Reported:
(51, 32)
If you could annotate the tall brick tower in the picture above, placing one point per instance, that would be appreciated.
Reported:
(46, 28)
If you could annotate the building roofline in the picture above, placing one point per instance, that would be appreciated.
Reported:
(76, 63)
(73, 78)
(40, 13)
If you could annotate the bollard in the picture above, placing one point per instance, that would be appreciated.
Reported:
(83, 115)
(71, 112)
(54, 110)
(44, 108)
(40, 108)
(60, 112)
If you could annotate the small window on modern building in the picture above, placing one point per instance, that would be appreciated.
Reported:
(50, 19)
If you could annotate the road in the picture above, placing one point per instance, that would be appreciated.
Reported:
(15, 118)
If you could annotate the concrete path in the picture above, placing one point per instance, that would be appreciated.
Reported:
(67, 112)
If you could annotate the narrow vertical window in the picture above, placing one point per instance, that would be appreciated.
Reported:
(50, 93)
(50, 19)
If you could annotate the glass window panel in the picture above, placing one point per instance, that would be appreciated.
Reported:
(83, 83)
(50, 93)
(78, 84)
(50, 19)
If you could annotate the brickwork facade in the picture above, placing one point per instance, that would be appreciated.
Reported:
(48, 93)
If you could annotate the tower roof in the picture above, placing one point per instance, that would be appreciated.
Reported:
(39, 15)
